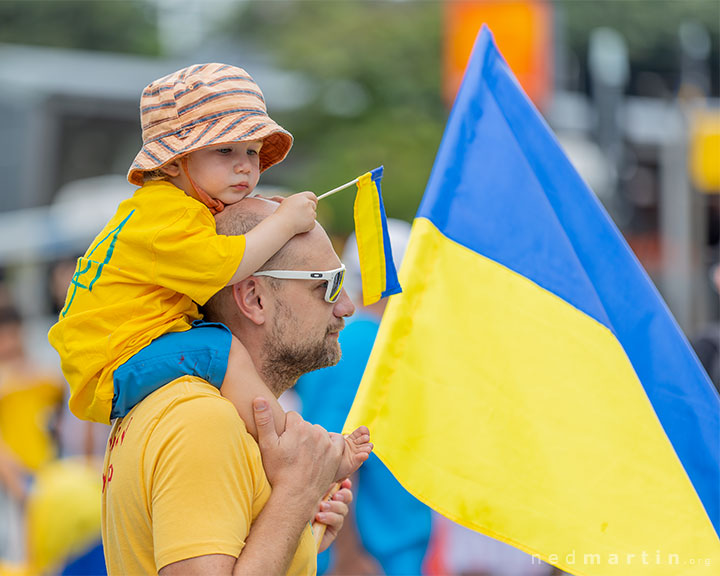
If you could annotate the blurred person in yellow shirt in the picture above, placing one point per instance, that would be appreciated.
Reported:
(29, 403)
(30, 398)
(49, 508)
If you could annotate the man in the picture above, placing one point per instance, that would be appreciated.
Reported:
(186, 488)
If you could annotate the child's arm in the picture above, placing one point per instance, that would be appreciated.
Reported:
(296, 214)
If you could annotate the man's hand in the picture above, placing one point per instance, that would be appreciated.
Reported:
(302, 461)
(332, 513)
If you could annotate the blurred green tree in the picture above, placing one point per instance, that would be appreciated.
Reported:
(375, 70)
(127, 26)
(376, 67)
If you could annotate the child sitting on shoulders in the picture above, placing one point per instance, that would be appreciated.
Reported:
(131, 322)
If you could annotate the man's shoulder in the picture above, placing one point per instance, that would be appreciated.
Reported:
(191, 416)
(191, 402)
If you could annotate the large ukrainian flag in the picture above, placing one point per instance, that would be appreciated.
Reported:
(530, 383)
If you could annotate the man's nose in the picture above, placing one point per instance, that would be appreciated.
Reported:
(344, 306)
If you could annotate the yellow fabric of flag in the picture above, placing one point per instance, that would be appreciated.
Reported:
(377, 269)
(542, 438)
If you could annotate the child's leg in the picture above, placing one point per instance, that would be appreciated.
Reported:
(242, 384)
(357, 450)
(201, 352)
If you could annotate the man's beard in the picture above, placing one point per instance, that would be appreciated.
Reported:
(287, 360)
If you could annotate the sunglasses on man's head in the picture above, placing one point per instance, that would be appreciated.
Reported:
(333, 278)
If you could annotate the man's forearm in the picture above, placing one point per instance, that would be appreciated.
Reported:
(269, 547)
(274, 535)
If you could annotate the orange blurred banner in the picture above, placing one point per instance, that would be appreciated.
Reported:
(523, 32)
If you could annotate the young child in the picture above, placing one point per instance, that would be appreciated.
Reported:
(131, 322)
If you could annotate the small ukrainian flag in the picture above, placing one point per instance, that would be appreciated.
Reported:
(377, 269)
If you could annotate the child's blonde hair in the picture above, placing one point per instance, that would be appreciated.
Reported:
(154, 175)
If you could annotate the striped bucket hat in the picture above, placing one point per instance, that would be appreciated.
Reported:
(204, 105)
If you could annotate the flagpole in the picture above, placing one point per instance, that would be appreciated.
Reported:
(331, 192)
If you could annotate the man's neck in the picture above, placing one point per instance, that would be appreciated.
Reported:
(277, 378)
(279, 375)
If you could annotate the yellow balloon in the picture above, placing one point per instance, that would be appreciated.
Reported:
(7, 569)
(63, 513)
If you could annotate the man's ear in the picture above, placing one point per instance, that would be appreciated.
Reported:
(172, 169)
(250, 297)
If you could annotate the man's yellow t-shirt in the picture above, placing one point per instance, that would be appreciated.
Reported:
(183, 478)
(142, 277)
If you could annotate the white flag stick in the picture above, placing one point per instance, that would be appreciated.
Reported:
(331, 192)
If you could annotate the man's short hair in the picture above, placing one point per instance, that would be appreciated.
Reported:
(237, 220)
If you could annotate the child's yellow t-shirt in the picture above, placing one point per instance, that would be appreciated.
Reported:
(143, 276)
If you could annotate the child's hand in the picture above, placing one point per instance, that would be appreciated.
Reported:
(332, 511)
(299, 211)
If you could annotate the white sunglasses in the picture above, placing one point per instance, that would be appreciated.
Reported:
(334, 279)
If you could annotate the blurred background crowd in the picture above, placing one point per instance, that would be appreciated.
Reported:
(630, 87)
